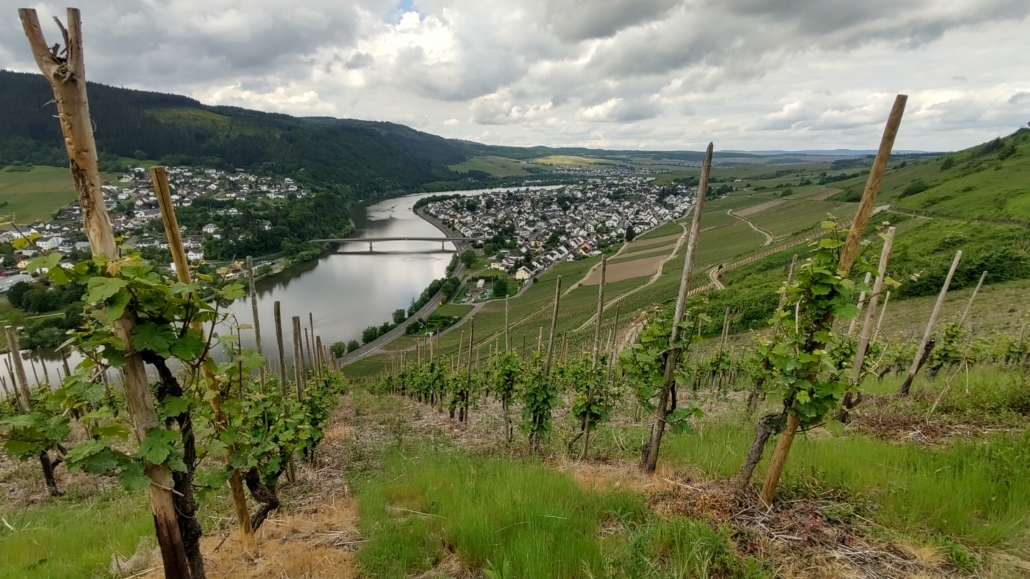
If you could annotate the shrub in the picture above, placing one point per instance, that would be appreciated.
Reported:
(915, 187)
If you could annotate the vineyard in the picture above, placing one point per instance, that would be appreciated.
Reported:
(853, 403)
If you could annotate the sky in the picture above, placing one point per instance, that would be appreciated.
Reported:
(626, 74)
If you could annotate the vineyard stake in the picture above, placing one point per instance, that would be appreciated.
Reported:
(309, 360)
(25, 407)
(182, 270)
(282, 352)
(594, 354)
(649, 456)
(847, 259)
(965, 312)
(468, 373)
(311, 325)
(257, 319)
(298, 358)
(861, 304)
(68, 80)
(850, 400)
(507, 341)
(883, 312)
(554, 324)
(919, 359)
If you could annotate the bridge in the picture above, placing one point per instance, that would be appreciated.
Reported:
(371, 240)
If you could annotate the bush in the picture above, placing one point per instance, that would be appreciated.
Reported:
(915, 187)
(947, 164)
(338, 349)
(353, 345)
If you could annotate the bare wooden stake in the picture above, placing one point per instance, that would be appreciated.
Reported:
(917, 362)
(649, 456)
(883, 312)
(969, 306)
(554, 324)
(298, 358)
(282, 351)
(67, 77)
(847, 260)
(507, 341)
(256, 317)
(182, 269)
(861, 304)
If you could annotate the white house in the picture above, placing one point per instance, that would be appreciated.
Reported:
(193, 255)
(210, 228)
(523, 273)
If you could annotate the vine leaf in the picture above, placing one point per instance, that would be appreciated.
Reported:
(157, 447)
(188, 347)
(132, 477)
(101, 288)
(116, 308)
(252, 360)
(154, 337)
(173, 406)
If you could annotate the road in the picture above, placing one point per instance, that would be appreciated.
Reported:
(768, 236)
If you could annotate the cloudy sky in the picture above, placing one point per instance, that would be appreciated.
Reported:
(648, 74)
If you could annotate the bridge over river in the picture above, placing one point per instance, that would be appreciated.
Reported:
(370, 240)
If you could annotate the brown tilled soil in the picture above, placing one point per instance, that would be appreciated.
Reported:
(747, 211)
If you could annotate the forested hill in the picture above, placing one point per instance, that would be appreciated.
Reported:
(371, 158)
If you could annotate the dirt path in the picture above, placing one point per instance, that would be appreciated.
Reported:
(713, 274)
(768, 236)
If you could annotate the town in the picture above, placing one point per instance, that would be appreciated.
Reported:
(525, 231)
(134, 213)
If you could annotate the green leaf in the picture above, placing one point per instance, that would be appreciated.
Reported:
(81, 452)
(116, 307)
(188, 347)
(100, 288)
(154, 337)
(173, 406)
(231, 291)
(132, 477)
(157, 446)
(252, 360)
(179, 288)
(217, 448)
(20, 448)
(112, 431)
(58, 275)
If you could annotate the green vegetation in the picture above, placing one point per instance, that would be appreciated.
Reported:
(519, 519)
(499, 166)
(73, 537)
(30, 194)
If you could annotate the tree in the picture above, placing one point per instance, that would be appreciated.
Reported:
(17, 293)
(352, 345)
(468, 257)
(500, 288)
(630, 233)
(370, 333)
(338, 349)
(399, 315)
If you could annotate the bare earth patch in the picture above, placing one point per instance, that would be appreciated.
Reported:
(748, 211)
(626, 270)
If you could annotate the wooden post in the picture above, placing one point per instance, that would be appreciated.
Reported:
(468, 372)
(309, 360)
(921, 348)
(282, 351)
(554, 323)
(42, 362)
(883, 312)
(311, 326)
(649, 456)
(182, 269)
(256, 317)
(594, 355)
(507, 341)
(847, 259)
(320, 357)
(64, 361)
(298, 358)
(21, 382)
(67, 77)
(540, 339)
(867, 323)
(861, 304)
(965, 312)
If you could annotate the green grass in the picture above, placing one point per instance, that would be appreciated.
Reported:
(498, 166)
(493, 513)
(973, 490)
(73, 538)
(35, 195)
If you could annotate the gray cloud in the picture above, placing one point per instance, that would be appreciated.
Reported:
(635, 73)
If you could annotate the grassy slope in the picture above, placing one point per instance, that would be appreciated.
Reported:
(36, 194)
(497, 166)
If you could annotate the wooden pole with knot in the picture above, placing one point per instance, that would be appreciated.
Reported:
(66, 72)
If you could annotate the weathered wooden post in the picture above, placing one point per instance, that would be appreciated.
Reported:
(256, 318)
(918, 361)
(24, 403)
(649, 456)
(67, 77)
(969, 305)
(595, 353)
(298, 358)
(279, 342)
(554, 323)
(182, 270)
(847, 259)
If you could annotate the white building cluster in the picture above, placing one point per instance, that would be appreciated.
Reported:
(547, 226)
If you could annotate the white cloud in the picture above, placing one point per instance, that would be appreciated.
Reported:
(659, 74)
